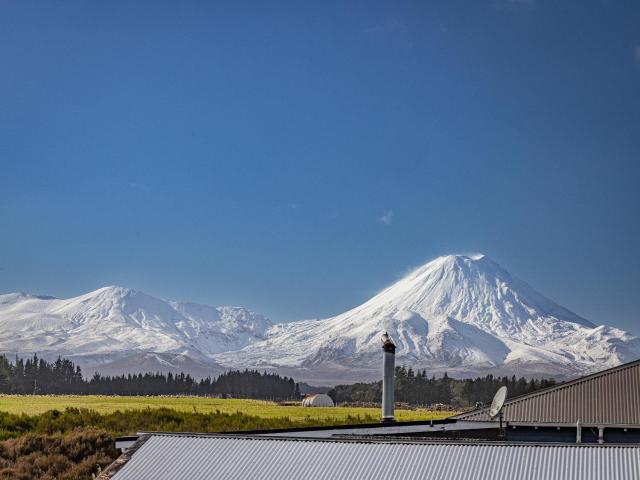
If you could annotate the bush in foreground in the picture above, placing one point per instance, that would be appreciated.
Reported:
(73, 455)
(71, 444)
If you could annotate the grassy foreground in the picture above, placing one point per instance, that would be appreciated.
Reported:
(37, 404)
(71, 437)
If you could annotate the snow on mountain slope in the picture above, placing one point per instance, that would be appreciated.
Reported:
(465, 314)
(115, 323)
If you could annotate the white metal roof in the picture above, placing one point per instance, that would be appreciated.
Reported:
(174, 457)
(318, 400)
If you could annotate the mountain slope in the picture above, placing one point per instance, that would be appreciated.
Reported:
(464, 314)
(115, 324)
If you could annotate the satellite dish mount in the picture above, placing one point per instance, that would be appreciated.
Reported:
(496, 407)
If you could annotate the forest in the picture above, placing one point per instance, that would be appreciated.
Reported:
(417, 388)
(38, 376)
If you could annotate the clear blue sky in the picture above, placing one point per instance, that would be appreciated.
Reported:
(296, 157)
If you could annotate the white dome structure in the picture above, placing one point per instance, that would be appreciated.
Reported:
(318, 400)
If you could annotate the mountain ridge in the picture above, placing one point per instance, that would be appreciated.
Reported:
(460, 313)
(113, 324)
(464, 314)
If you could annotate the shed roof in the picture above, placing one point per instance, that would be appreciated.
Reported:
(172, 456)
(610, 397)
(318, 399)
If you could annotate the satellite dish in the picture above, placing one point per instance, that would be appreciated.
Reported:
(498, 402)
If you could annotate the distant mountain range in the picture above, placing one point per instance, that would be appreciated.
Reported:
(117, 330)
(461, 314)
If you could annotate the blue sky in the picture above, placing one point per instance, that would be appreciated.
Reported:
(296, 157)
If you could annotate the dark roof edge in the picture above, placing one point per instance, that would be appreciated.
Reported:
(472, 442)
(121, 461)
(346, 427)
(544, 391)
(440, 421)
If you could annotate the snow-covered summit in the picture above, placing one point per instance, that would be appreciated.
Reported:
(472, 287)
(462, 313)
(114, 322)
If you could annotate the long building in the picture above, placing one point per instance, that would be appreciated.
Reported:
(588, 428)
(184, 456)
(609, 397)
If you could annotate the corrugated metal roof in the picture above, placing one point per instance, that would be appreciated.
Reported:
(381, 429)
(175, 457)
(606, 398)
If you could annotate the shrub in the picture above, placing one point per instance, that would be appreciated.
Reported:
(74, 455)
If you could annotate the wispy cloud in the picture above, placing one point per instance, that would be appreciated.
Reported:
(392, 30)
(514, 4)
(139, 187)
(392, 25)
(386, 218)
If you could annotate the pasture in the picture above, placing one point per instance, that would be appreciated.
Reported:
(37, 404)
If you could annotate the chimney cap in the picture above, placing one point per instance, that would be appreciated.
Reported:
(387, 343)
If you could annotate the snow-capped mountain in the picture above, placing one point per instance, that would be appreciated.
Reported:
(116, 327)
(463, 314)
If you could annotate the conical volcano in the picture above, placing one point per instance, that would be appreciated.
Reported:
(461, 313)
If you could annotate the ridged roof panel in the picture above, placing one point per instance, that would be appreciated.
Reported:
(173, 457)
(607, 398)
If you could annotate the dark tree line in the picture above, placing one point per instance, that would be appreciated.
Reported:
(36, 375)
(417, 388)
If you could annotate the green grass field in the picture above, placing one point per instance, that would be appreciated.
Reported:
(36, 404)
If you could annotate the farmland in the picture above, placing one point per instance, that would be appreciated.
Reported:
(38, 404)
(75, 433)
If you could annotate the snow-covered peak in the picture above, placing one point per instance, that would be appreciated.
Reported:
(117, 294)
(116, 319)
(113, 290)
(230, 320)
(465, 314)
(461, 313)
(471, 288)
